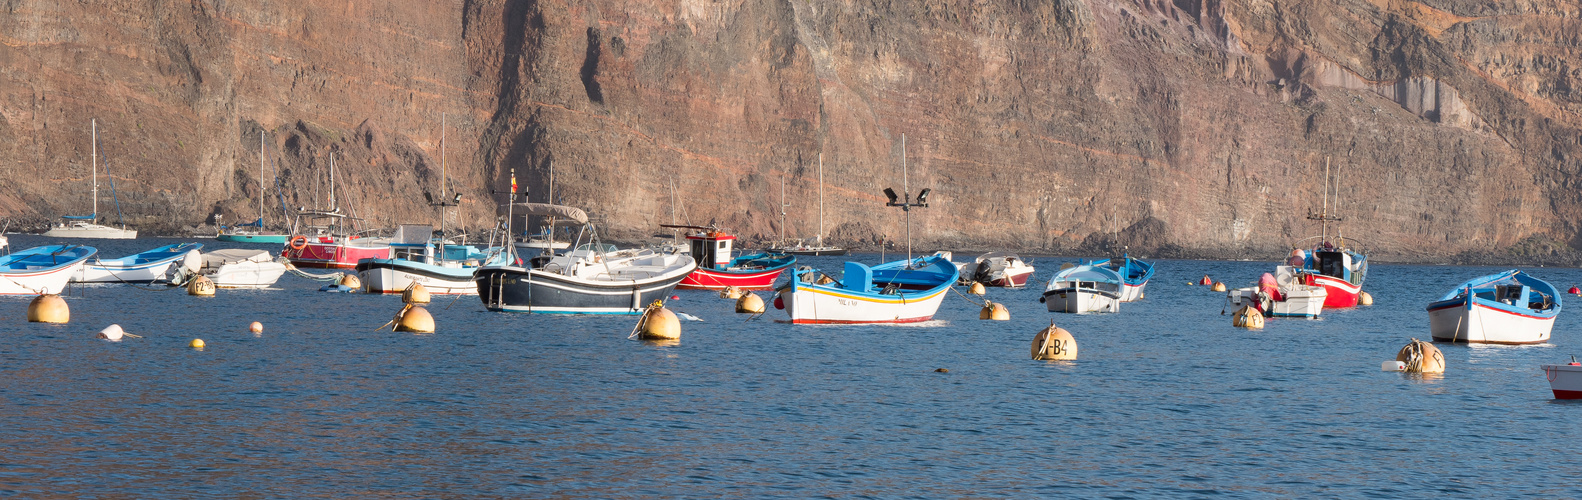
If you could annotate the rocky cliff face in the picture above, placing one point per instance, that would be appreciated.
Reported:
(1186, 127)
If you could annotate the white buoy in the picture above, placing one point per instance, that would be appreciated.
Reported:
(1393, 366)
(111, 333)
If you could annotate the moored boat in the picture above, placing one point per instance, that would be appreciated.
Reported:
(330, 247)
(904, 291)
(87, 226)
(587, 280)
(1083, 289)
(1333, 265)
(442, 268)
(142, 267)
(1511, 307)
(718, 270)
(1281, 296)
(41, 270)
(235, 268)
(1134, 275)
(1002, 269)
(1565, 380)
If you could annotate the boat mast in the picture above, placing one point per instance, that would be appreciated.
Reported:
(906, 188)
(783, 206)
(95, 125)
(260, 182)
(820, 237)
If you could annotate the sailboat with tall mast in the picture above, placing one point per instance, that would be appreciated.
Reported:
(254, 232)
(86, 226)
(818, 247)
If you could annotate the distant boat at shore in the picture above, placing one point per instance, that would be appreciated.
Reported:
(87, 226)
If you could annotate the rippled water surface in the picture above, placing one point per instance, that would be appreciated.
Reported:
(1167, 399)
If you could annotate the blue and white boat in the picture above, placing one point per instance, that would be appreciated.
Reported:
(904, 291)
(143, 267)
(1134, 275)
(442, 268)
(1083, 289)
(41, 270)
(1506, 308)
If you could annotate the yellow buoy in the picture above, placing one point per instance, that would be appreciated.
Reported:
(415, 319)
(731, 292)
(750, 303)
(994, 311)
(48, 308)
(1219, 286)
(196, 344)
(200, 286)
(415, 294)
(659, 323)
(1247, 317)
(351, 281)
(1421, 357)
(977, 289)
(256, 327)
(1054, 343)
(1364, 298)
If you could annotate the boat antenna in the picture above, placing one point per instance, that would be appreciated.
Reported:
(906, 202)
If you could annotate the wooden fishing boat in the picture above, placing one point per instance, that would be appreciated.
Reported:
(41, 270)
(903, 291)
(1083, 289)
(1134, 275)
(1511, 307)
(143, 267)
(1000, 269)
(716, 270)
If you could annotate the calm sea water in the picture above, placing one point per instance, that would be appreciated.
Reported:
(1167, 400)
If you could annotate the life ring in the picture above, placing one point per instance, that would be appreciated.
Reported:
(299, 242)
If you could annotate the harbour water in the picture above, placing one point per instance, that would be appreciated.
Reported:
(1167, 399)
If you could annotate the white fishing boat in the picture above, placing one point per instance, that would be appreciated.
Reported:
(41, 270)
(442, 268)
(904, 291)
(142, 267)
(1134, 275)
(1281, 295)
(1002, 269)
(1565, 380)
(1083, 289)
(235, 268)
(86, 226)
(1506, 308)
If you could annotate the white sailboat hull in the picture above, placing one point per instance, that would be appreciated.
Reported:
(84, 230)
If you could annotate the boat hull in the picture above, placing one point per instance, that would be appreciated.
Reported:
(42, 270)
(247, 275)
(1341, 293)
(1081, 300)
(809, 304)
(395, 275)
(1013, 278)
(1132, 293)
(1564, 380)
(1300, 301)
(516, 289)
(1481, 323)
(815, 253)
(714, 279)
(99, 232)
(254, 238)
(139, 273)
(334, 256)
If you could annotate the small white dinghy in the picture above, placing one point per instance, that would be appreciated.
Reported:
(1281, 296)
(142, 267)
(1083, 289)
(1565, 380)
(235, 268)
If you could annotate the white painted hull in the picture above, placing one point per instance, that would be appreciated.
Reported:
(1081, 301)
(1131, 293)
(1564, 380)
(1301, 301)
(33, 283)
(814, 305)
(247, 274)
(1482, 324)
(91, 231)
(387, 280)
(102, 272)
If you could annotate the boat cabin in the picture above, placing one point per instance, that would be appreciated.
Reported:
(711, 248)
(1332, 263)
(1515, 294)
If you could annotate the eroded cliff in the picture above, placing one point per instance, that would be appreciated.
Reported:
(1185, 127)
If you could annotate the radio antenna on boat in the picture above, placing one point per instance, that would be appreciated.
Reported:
(1324, 217)
(906, 203)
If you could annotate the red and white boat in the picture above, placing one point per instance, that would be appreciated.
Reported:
(330, 248)
(1565, 380)
(717, 270)
(997, 269)
(1331, 265)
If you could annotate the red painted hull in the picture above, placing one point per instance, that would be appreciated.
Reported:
(1341, 293)
(831, 322)
(711, 279)
(1017, 280)
(333, 256)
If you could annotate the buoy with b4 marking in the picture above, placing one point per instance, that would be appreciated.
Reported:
(1054, 343)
